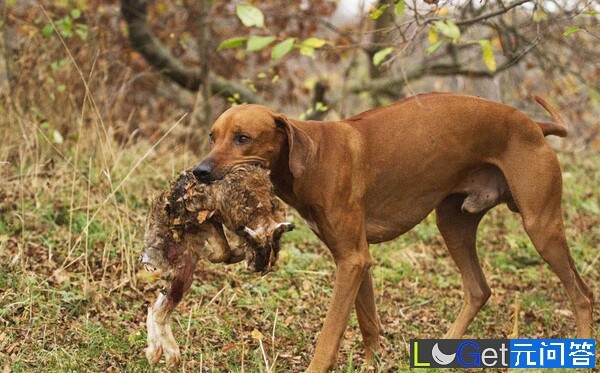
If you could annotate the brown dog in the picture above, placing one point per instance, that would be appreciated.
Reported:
(373, 177)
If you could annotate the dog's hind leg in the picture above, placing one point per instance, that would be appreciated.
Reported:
(459, 230)
(160, 336)
(366, 312)
(537, 191)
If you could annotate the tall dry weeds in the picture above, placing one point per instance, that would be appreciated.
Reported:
(76, 163)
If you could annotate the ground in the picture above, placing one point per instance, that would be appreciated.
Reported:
(74, 297)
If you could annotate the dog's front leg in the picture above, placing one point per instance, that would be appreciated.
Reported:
(351, 254)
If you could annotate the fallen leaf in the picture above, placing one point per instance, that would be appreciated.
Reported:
(256, 334)
(566, 313)
(60, 276)
(203, 215)
(11, 348)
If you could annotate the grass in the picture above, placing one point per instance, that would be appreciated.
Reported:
(74, 297)
(75, 187)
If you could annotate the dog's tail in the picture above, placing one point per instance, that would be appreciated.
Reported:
(551, 128)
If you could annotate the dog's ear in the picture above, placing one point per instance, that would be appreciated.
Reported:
(301, 147)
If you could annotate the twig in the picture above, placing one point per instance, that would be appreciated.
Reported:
(492, 14)
(517, 310)
(266, 360)
(216, 296)
(401, 310)
(384, 84)
(273, 337)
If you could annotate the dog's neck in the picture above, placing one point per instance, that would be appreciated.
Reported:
(283, 181)
(284, 189)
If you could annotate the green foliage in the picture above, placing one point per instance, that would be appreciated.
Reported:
(319, 107)
(257, 43)
(487, 54)
(308, 46)
(59, 64)
(250, 15)
(253, 17)
(433, 38)
(47, 30)
(67, 26)
(571, 30)
(379, 11)
(434, 46)
(282, 48)
(234, 99)
(449, 29)
(375, 14)
(235, 42)
(381, 55)
(399, 8)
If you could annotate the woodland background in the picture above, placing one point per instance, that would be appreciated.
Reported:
(102, 103)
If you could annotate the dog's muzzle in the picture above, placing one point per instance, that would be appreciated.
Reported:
(202, 172)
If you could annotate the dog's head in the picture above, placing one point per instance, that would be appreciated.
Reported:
(254, 134)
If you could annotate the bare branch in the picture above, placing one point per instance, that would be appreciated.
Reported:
(495, 13)
(142, 40)
(396, 84)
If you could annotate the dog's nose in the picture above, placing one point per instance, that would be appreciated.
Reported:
(202, 172)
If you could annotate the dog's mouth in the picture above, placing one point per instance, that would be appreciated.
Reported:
(261, 163)
(218, 175)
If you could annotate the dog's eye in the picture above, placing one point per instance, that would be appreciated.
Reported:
(241, 139)
(212, 138)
